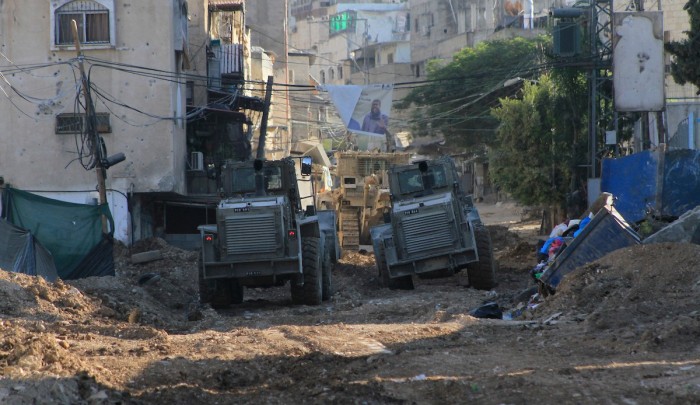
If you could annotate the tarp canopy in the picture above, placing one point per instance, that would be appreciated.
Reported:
(21, 253)
(666, 182)
(71, 232)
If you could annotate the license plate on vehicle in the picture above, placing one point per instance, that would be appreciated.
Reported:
(244, 209)
(409, 212)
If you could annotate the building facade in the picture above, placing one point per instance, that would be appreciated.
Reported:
(137, 96)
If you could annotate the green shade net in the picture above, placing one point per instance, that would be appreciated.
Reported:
(71, 232)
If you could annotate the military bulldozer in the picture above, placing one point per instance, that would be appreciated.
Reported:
(433, 229)
(264, 238)
(362, 194)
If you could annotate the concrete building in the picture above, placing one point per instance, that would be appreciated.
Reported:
(136, 78)
(267, 22)
(177, 101)
(441, 28)
(682, 102)
(352, 43)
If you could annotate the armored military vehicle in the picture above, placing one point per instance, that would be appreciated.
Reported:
(432, 229)
(263, 237)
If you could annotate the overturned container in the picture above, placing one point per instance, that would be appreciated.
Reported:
(606, 232)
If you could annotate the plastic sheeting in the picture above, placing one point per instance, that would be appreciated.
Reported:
(21, 253)
(667, 183)
(71, 232)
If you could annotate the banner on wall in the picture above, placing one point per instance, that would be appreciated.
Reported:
(365, 110)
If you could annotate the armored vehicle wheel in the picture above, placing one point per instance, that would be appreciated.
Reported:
(221, 297)
(236, 291)
(385, 280)
(327, 275)
(204, 286)
(482, 275)
(297, 291)
(401, 283)
(226, 291)
(311, 292)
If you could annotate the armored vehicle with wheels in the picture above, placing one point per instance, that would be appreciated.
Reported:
(264, 238)
(432, 229)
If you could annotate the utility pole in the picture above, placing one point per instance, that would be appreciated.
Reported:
(600, 105)
(95, 147)
(263, 121)
(364, 50)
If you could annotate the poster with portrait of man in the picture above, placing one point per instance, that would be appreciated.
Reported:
(365, 111)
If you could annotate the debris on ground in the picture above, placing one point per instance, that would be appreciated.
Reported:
(141, 337)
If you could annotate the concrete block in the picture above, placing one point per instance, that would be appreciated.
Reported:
(144, 257)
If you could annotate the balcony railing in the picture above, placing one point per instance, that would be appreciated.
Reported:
(231, 59)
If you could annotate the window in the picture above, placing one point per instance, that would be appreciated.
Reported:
(243, 179)
(410, 181)
(340, 72)
(75, 123)
(95, 20)
(390, 58)
(189, 92)
(323, 77)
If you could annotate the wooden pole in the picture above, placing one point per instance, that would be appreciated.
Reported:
(95, 141)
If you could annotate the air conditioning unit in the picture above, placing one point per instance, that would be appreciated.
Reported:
(196, 161)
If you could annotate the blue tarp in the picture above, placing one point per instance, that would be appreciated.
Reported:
(681, 182)
(668, 183)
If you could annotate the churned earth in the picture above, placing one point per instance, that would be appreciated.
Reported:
(622, 330)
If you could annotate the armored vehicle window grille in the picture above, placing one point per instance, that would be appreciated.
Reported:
(426, 232)
(248, 234)
(368, 167)
(354, 192)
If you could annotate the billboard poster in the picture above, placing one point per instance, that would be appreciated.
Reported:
(365, 111)
(638, 61)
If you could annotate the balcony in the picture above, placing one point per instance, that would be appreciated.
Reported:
(225, 65)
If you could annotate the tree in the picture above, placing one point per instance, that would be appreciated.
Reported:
(457, 99)
(540, 150)
(684, 66)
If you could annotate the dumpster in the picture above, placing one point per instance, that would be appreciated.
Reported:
(608, 231)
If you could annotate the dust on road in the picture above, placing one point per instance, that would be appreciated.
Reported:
(621, 330)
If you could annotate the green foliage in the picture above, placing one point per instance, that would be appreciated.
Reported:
(458, 99)
(541, 140)
(684, 67)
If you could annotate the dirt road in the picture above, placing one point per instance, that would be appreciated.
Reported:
(624, 330)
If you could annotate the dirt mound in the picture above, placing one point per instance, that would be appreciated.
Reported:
(161, 293)
(141, 337)
(644, 297)
(502, 238)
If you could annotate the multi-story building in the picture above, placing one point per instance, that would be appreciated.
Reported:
(354, 43)
(267, 22)
(441, 28)
(137, 87)
(174, 85)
